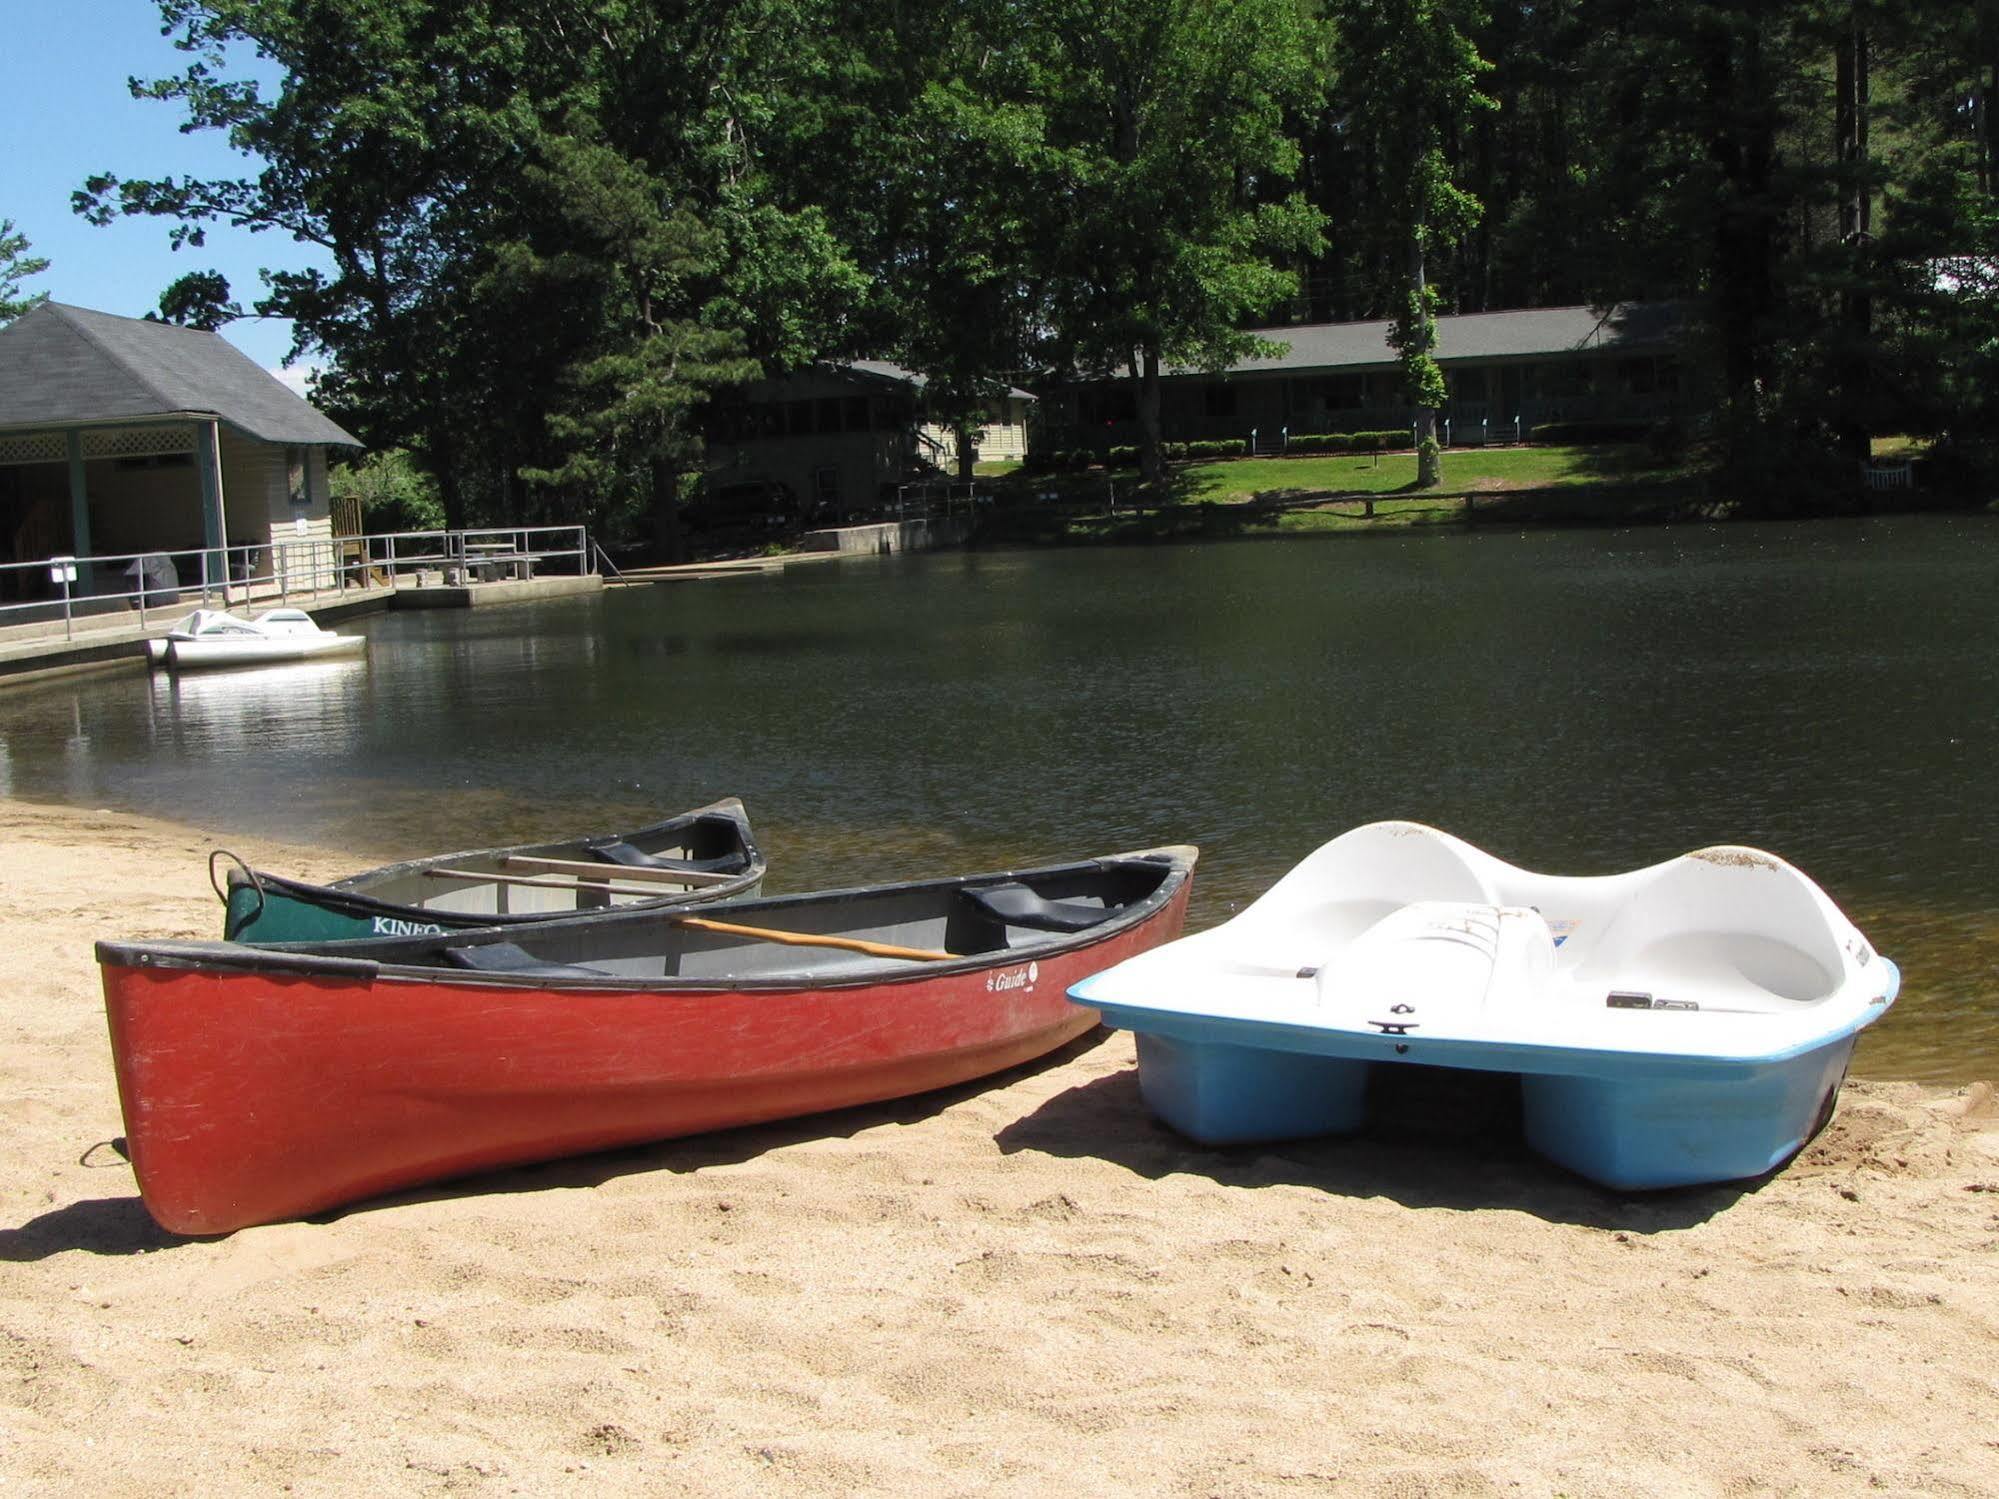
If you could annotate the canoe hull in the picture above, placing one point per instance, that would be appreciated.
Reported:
(250, 1097)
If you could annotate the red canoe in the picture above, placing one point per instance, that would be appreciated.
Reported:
(262, 1083)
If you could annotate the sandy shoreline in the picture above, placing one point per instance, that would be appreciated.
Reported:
(1017, 1289)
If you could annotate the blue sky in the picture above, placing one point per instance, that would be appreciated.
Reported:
(65, 114)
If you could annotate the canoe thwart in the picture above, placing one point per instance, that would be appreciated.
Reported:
(664, 874)
(542, 881)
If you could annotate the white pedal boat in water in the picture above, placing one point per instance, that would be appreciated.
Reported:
(1690, 1022)
(211, 637)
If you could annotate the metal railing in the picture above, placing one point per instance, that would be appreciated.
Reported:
(936, 497)
(107, 585)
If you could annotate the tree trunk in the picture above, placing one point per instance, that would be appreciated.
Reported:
(1429, 465)
(1855, 235)
(666, 510)
(1743, 149)
(449, 493)
(1151, 467)
(968, 449)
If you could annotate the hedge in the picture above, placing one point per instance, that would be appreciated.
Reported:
(1349, 442)
(1048, 460)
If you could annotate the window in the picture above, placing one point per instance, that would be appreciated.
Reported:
(1219, 399)
(857, 413)
(829, 414)
(298, 483)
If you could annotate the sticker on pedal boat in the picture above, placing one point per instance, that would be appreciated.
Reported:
(395, 926)
(1562, 928)
(1009, 979)
(1625, 999)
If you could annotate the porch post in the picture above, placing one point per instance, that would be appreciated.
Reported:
(214, 525)
(79, 514)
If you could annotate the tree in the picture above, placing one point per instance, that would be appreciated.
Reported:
(944, 189)
(1178, 216)
(394, 495)
(381, 147)
(633, 388)
(402, 142)
(1411, 83)
(16, 265)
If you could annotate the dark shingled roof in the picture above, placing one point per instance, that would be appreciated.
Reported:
(1539, 332)
(883, 369)
(62, 365)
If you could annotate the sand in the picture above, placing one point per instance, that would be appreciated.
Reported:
(1025, 1288)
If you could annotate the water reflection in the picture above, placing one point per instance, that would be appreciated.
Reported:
(1579, 702)
(276, 709)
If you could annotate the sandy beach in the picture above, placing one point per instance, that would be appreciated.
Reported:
(1021, 1288)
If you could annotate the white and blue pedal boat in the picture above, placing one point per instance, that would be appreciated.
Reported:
(1686, 1023)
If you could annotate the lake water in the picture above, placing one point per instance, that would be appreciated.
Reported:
(1581, 702)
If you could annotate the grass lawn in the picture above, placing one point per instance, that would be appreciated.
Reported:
(1479, 470)
(1333, 492)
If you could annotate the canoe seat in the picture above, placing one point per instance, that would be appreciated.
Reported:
(1017, 905)
(631, 857)
(506, 957)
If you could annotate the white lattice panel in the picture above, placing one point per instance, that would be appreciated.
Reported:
(137, 442)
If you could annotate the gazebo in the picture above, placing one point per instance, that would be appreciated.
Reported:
(121, 436)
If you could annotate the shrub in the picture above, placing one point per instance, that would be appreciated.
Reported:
(1228, 447)
(1381, 442)
(1122, 456)
(1320, 442)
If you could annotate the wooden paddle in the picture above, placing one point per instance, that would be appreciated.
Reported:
(815, 939)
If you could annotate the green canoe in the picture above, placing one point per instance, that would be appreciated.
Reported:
(698, 857)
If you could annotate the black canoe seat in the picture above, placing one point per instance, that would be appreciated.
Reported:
(624, 853)
(506, 957)
(1016, 905)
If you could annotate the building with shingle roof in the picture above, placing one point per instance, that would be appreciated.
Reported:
(839, 439)
(122, 436)
(1504, 370)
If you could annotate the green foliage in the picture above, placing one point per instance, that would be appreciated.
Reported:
(554, 232)
(395, 495)
(16, 265)
(199, 299)
(1349, 442)
(1166, 121)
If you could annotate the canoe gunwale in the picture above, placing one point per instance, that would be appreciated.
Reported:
(341, 962)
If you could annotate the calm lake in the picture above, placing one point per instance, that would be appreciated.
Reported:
(1580, 702)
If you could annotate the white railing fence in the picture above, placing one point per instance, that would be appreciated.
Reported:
(97, 588)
